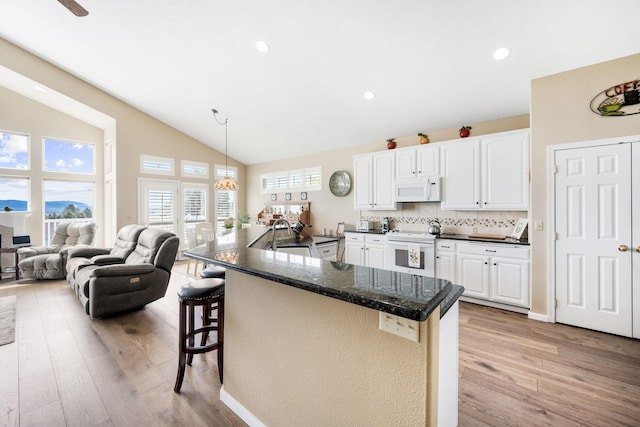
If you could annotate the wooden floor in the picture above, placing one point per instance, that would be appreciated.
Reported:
(66, 370)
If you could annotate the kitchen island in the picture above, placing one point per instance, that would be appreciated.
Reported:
(303, 344)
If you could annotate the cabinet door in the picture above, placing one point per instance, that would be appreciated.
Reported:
(473, 274)
(446, 266)
(374, 255)
(362, 180)
(354, 253)
(405, 164)
(328, 251)
(505, 172)
(428, 161)
(510, 281)
(461, 173)
(383, 178)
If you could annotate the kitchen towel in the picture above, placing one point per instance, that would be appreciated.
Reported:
(414, 255)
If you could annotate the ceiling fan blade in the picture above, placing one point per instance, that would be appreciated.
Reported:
(74, 7)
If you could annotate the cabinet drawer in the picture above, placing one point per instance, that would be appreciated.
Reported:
(378, 239)
(495, 250)
(446, 245)
(328, 250)
(354, 237)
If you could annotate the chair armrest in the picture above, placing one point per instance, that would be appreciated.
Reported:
(87, 252)
(123, 270)
(33, 251)
(106, 260)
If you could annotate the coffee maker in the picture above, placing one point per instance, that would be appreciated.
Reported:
(385, 224)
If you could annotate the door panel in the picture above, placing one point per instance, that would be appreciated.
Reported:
(593, 217)
(635, 248)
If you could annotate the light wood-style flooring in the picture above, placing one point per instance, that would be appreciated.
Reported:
(67, 370)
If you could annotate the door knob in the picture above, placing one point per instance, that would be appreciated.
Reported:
(623, 248)
(638, 249)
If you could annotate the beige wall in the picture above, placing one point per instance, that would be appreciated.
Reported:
(136, 133)
(22, 115)
(560, 114)
(327, 209)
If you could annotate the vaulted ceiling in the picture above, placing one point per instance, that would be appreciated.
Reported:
(429, 63)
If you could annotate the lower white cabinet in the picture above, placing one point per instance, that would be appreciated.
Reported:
(328, 250)
(495, 272)
(446, 260)
(365, 249)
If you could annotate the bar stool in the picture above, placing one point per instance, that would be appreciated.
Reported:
(208, 294)
(213, 272)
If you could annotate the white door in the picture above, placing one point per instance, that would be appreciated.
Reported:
(384, 174)
(510, 281)
(505, 164)
(405, 164)
(375, 256)
(473, 274)
(362, 175)
(428, 161)
(461, 175)
(593, 228)
(354, 253)
(635, 209)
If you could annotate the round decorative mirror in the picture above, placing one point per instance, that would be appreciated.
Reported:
(340, 183)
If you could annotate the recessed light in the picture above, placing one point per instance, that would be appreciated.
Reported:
(501, 53)
(369, 95)
(262, 46)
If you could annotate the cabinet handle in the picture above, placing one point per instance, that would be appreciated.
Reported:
(495, 263)
(449, 247)
(490, 250)
(486, 263)
(485, 203)
(477, 203)
(623, 248)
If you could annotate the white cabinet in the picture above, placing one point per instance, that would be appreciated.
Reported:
(416, 162)
(489, 172)
(328, 250)
(446, 260)
(365, 249)
(373, 181)
(494, 272)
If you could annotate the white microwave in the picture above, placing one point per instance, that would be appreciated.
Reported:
(424, 189)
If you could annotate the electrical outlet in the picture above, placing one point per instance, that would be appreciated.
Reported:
(475, 230)
(405, 328)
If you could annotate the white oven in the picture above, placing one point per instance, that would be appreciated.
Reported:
(412, 253)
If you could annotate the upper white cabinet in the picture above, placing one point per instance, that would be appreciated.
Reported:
(489, 172)
(416, 162)
(373, 181)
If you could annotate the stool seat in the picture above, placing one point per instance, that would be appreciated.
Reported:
(208, 294)
(213, 272)
(201, 289)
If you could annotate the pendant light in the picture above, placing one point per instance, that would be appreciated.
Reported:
(226, 183)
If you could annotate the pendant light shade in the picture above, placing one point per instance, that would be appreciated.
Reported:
(226, 183)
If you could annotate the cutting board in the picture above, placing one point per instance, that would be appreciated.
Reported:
(487, 236)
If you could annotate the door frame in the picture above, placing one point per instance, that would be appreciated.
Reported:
(551, 208)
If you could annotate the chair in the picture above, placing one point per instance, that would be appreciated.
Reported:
(199, 227)
(192, 242)
(78, 258)
(105, 290)
(49, 262)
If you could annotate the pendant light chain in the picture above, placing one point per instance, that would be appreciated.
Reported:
(225, 183)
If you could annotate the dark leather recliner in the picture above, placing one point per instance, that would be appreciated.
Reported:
(105, 290)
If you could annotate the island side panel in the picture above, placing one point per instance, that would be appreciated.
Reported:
(293, 357)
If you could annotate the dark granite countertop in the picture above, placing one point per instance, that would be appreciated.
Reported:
(467, 237)
(409, 296)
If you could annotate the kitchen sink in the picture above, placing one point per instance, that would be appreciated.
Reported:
(289, 245)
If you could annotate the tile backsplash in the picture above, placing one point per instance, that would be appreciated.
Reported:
(417, 216)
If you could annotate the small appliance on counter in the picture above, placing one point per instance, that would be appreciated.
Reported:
(384, 224)
(364, 225)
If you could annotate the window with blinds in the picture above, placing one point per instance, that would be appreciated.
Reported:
(309, 179)
(195, 203)
(195, 169)
(226, 201)
(161, 209)
(156, 165)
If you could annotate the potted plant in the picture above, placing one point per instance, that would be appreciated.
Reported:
(391, 143)
(229, 222)
(424, 138)
(464, 131)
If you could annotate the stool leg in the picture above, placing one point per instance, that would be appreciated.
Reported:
(182, 356)
(220, 336)
(191, 329)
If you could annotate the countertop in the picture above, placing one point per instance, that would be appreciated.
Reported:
(467, 237)
(405, 295)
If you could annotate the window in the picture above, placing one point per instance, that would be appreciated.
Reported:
(66, 201)
(195, 169)
(156, 165)
(14, 151)
(68, 157)
(195, 203)
(309, 179)
(226, 201)
(14, 193)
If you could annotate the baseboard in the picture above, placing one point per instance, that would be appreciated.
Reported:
(239, 410)
(538, 317)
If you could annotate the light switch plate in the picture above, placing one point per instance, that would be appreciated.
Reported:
(405, 328)
(538, 225)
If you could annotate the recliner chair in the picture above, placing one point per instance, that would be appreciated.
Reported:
(105, 290)
(78, 258)
(49, 262)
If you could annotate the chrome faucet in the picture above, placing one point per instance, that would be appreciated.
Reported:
(273, 230)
